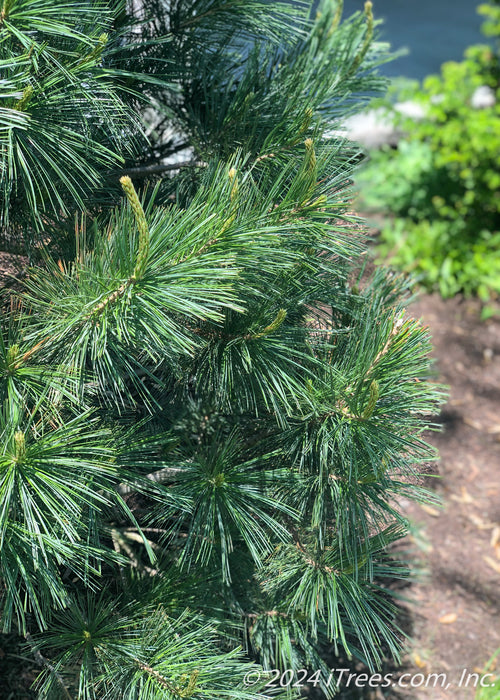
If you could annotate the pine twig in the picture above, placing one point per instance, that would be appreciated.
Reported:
(162, 476)
(42, 661)
(157, 168)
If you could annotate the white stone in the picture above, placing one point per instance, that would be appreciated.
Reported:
(372, 129)
(411, 109)
(483, 97)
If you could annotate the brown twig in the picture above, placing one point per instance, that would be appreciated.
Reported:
(42, 661)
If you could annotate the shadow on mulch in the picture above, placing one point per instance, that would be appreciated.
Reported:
(18, 669)
(456, 609)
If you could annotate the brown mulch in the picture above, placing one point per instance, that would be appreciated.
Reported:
(12, 269)
(456, 605)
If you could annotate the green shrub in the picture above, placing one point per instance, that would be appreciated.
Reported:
(440, 261)
(491, 27)
(491, 688)
(382, 180)
(443, 182)
(491, 693)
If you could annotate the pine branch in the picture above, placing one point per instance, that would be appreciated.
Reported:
(43, 661)
(203, 366)
(147, 170)
(162, 476)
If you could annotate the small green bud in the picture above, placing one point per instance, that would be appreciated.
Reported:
(308, 115)
(218, 480)
(227, 223)
(310, 155)
(232, 177)
(192, 684)
(96, 52)
(320, 201)
(19, 446)
(142, 226)
(21, 104)
(280, 317)
(12, 358)
(337, 17)
(309, 172)
(367, 40)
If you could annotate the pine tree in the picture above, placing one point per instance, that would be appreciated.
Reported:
(208, 409)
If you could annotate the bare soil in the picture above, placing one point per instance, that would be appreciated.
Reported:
(12, 268)
(455, 607)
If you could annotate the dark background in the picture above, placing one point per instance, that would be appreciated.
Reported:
(434, 31)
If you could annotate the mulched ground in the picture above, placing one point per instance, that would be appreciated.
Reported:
(456, 607)
(12, 268)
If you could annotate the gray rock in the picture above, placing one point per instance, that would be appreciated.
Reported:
(483, 97)
(371, 129)
(375, 127)
(411, 109)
